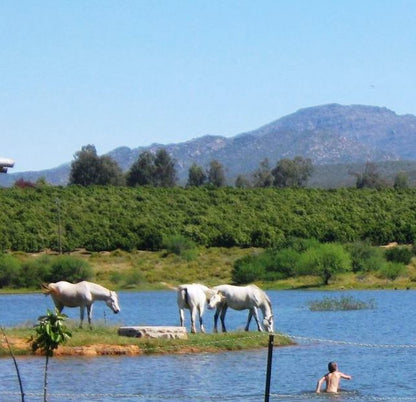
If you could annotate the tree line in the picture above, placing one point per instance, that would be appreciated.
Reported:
(158, 170)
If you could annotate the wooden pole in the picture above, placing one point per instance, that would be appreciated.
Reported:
(269, 368)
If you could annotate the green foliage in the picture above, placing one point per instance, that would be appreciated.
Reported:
(182, 246)
(88, 168)
(292, 172)
(10, 271)
(196, 176)
(343, 303)
(370, 178)
(216, 174)
(401, 181)
(248, 269)
(391, 270)
(108, 218)
(70, 269)
(325, 260)
(263, 177)
(50, 332)
(364, 257)
(399, 254)
(153, 169)
(46, 268)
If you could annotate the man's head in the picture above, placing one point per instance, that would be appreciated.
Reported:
(332, 366)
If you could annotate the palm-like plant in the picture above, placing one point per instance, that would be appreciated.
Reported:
(50, 333)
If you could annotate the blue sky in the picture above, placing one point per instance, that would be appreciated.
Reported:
(132, 73)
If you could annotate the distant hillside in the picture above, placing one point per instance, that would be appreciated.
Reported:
(329, 135)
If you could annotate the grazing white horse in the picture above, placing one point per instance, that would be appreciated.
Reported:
(193, 297)
(248, 297)
(82, 294)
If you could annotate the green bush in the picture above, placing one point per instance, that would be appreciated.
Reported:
(67, 268)
(391, 270)
(365, 257)
(326, 260)
(10, 271)
(399, 254)
(182, 246)
(247, 270)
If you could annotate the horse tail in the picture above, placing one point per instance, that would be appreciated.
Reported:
(169, 286)
(185, 295)
(47, 289)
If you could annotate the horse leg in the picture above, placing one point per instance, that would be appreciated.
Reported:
(217, 312)
(182, 317)
(256, 317)
(89, 311)
(81, 315)
(222, 317)
(201, 324)
(250, 315)
(193, 317)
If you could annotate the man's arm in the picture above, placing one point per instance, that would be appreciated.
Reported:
(345, 376)
(319, 385)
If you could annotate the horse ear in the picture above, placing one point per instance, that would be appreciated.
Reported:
(221, 295)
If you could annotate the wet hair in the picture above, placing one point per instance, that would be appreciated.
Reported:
(332, 366)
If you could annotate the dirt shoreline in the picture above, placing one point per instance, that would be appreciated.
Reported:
(21, 347)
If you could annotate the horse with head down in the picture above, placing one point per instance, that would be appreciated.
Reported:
(82, 295)
(248, 297)
(194, 298)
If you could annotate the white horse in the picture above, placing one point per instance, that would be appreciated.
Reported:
(248, 297)
(194, 298)
(82, 294)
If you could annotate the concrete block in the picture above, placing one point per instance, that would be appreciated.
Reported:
(154, 332)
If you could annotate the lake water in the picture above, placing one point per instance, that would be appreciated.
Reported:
(377, 347)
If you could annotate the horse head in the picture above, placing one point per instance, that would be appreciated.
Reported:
(268, 323)
(215, 299)
(112, 302)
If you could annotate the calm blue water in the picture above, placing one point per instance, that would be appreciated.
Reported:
(372, 349)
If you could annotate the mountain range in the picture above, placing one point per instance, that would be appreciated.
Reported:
(330, 135)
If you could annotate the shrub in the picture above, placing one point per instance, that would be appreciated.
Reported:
(247, 269)
(10, 270)
(70, 269)
(325, 260)
(399, 254)
(182, 246)
(365, 257)
(391, 270)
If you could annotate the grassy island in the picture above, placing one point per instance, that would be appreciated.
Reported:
(104, 340)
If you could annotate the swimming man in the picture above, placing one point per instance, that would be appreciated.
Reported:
(332, 379)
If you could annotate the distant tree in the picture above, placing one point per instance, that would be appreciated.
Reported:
(88, 168)
(242, 182)
(142, 172)
(292, 172)
(263, 177)
(110, 172)
(196, 176)
(370, 178)
(216, 175)
(165, 172)
(401, 181)
(153, 169)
